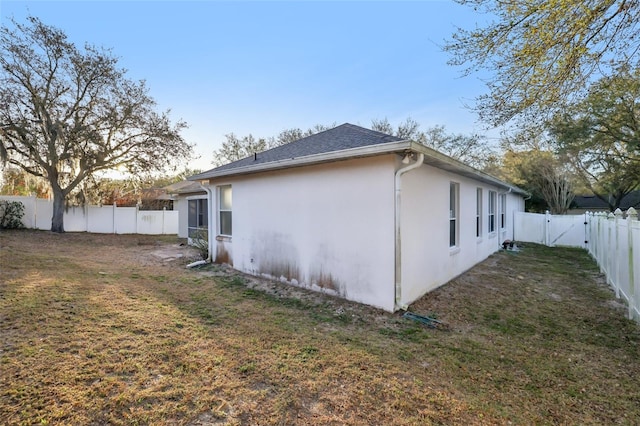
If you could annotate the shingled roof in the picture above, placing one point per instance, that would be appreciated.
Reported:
(339, 138)
(344, 142)
(632, 199)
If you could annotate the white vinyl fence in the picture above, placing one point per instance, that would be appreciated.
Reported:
(615, 244)
(612, 239)
(551, 230)
(98, 219)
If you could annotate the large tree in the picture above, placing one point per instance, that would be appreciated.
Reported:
(540, 53)
(600, 136)
(236, 148)
(541, 173)
(67, 113)
(472, 149)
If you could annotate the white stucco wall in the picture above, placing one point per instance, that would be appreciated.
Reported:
(427, 259)
(181, 205)
(332, 228)
(325, 227)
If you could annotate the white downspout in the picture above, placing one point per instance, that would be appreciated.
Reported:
(398, 245)
(513, 222)
(210, 224)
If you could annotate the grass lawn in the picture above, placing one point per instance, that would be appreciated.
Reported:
(98, 329)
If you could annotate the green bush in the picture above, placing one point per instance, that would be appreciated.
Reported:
(11, 214)
(200, 240)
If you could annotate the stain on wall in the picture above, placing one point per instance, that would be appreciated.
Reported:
(222, 254)
(281, 268)
(324, 281)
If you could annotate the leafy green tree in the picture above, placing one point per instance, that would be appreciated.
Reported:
(236, 148)
(470, 149)
(16, 181)
(600, 136)
(541, 173)
(407, 129)
(473, 149)
(541, 53)
(67, 113)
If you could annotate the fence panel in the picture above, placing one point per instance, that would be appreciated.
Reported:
(43, 214)
(29, 218)
(149, 222)
(633, 259)
(615, 245)
(75, 219)
(529, 227)
(566, 230)
(126, 220)
(550, 230)
(99, 219)
(171, 222)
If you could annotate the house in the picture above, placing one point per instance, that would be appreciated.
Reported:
(357, 213)
(190, 200)
(591, 203)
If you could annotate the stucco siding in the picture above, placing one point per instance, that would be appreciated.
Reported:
(326, 227)
(182, 206)
(427, 259)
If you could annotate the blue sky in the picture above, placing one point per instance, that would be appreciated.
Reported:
(261, 67)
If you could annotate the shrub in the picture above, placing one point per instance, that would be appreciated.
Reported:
(11, 214)
(200, 240)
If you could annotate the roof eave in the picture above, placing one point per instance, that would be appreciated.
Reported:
(432, 157)
(345, 154)
(444, 162)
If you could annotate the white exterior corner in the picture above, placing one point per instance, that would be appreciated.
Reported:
(329, 225)
(360, 223)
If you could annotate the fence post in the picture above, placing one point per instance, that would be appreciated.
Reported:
(35, 211)
(632, 215)
(587, 239)
(609, 272)
(547, 228)
(618, 264)
(601, 250)
(164, 209)
(588, 218)
(115, 225)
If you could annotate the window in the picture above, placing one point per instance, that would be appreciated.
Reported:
(503, 211)
(197, 218)
(479, 212)
(492, 211)
(224, 210)
(453, 214)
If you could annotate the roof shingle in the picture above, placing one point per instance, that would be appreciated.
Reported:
(339, 138)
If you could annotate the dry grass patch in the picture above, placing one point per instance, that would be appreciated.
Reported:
(97, 329)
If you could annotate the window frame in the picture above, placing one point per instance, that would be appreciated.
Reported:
(200, 214)
(479, 203)
(225, 214)
(491, 212)
(503, 211)
(454, 215)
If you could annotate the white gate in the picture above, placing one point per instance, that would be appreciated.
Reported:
(551, 230)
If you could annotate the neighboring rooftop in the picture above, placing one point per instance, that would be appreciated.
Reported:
(592, 202)
(184, 187)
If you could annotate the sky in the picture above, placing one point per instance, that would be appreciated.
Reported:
(260, 67)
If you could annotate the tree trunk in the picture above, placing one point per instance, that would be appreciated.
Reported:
(57, 221)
